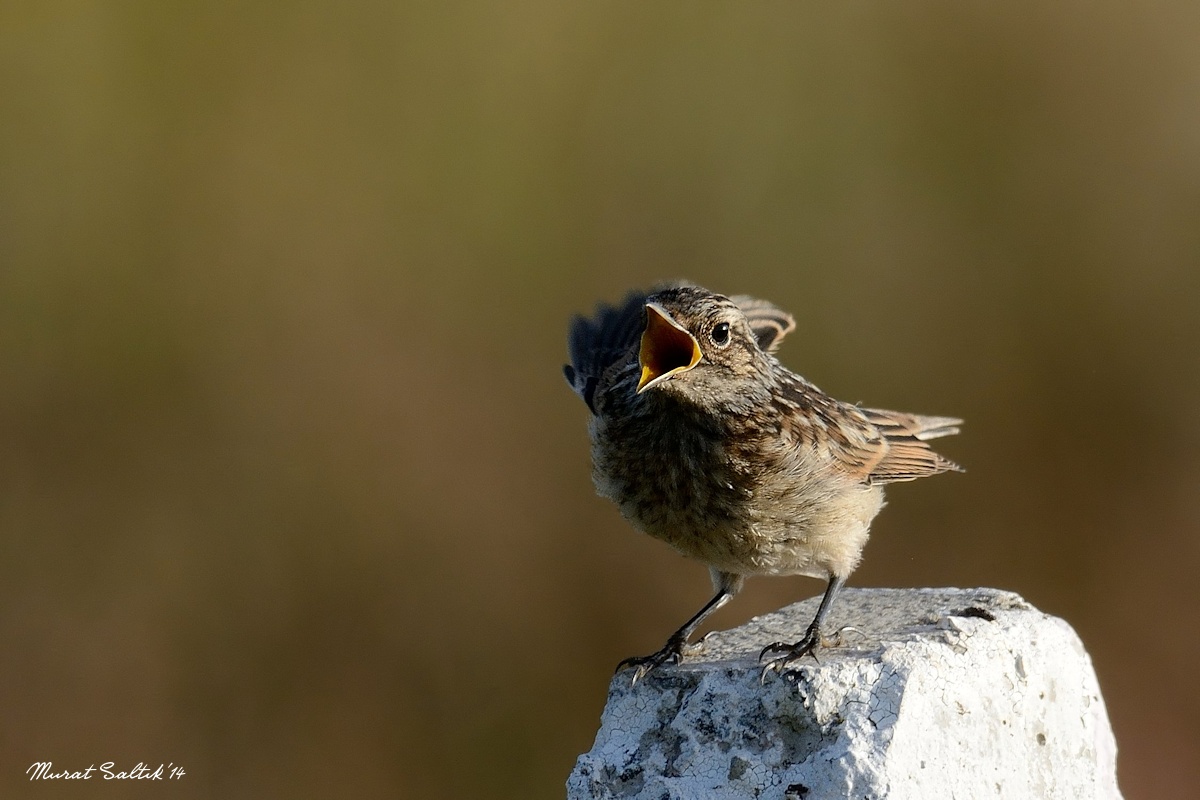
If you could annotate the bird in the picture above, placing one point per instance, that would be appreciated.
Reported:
(705, 441)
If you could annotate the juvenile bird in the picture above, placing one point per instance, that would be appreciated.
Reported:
(706, 441)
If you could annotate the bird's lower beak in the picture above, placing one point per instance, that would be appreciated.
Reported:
(667, 349)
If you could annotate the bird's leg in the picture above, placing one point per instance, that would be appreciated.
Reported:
(789, 653)
(727, 585)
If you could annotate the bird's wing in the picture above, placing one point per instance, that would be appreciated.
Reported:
(769, 323)
(897, 423)
(596, 343)
(896, 450)
(870, 445)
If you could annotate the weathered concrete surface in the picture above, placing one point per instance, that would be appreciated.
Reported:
(963, 693)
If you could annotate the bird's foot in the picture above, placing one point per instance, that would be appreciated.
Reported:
(781, 656)
(672, 653)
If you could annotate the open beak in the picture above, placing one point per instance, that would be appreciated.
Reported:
(667, 349)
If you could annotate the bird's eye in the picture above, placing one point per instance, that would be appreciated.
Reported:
(720, 334)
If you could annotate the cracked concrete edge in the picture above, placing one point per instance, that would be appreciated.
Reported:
(894, 713)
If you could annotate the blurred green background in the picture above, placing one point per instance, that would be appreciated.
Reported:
(292, 492)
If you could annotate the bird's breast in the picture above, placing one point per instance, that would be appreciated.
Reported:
(733, 499)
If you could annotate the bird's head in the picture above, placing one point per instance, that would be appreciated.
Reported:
(698, 346)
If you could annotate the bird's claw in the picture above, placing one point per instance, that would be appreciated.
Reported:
(838, 637)
(781, 656)
(672, 653)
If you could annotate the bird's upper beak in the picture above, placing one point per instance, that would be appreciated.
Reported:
(667, 348)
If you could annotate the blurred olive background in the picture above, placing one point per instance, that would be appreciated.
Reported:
(292, 492)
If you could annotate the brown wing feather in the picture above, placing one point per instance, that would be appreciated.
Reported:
(869, 444)
(903, 453)
(897, 423)
(768, 322)
(879, 447)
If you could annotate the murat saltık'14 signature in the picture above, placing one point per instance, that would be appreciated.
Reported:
(44, 771)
